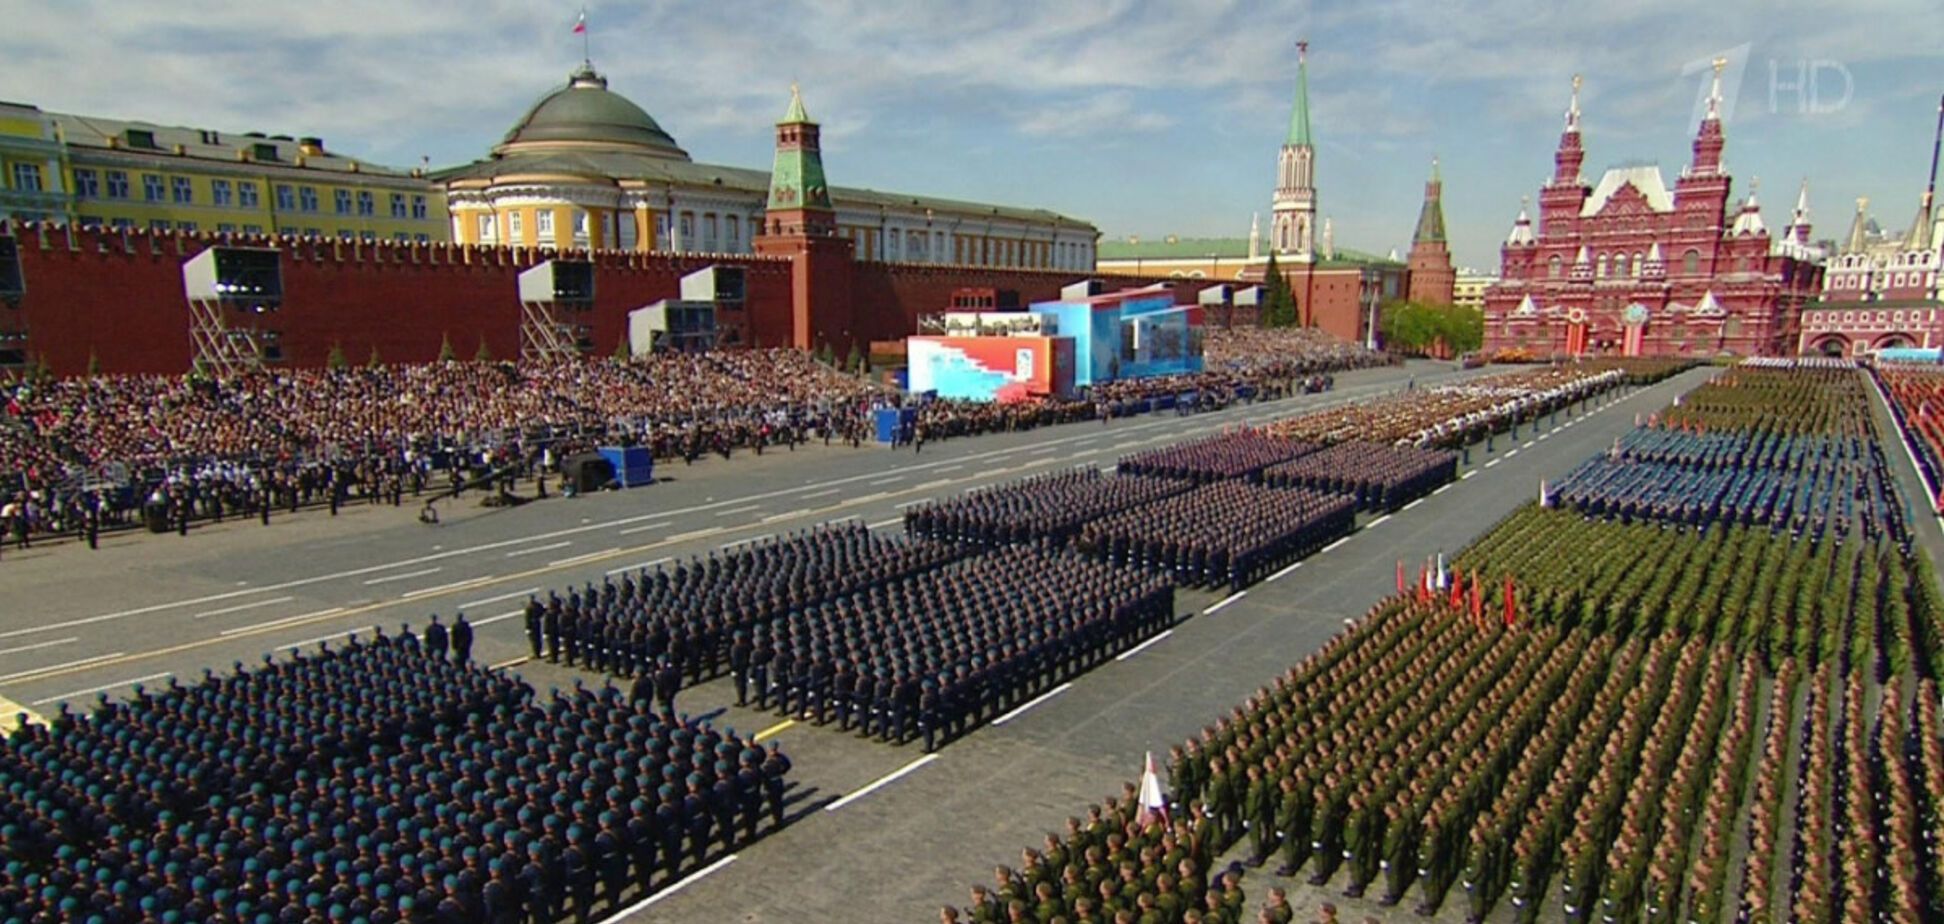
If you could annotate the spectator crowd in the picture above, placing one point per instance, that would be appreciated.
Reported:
(81, 455)
(96, 451)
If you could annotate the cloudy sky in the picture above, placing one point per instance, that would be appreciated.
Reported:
(1148, 117)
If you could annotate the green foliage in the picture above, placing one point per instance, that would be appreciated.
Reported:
(854, 360)
(372, 361)
(94, 363)
(1412, 327)
(336, 358)
(446, 354)
(1278, 302)
(622, 351)
(484, 354)
(826, 355)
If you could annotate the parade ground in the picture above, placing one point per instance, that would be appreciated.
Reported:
(876, 832)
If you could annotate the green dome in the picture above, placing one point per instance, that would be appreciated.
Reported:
(586, 112)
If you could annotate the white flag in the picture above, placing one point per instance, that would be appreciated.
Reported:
(1152, 801)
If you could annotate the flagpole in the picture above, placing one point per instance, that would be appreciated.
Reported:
(587, 53)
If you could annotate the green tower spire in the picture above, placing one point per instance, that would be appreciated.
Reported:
(1299, 127)
(1431, 224)
(797, 179)
(796, 114)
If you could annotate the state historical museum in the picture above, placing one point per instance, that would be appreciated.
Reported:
(1629, 267)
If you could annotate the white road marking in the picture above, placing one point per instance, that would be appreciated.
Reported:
(1224, 602)
(1278, 575)
(101, 689)
(1411, 504)
(1467, 474)
(825, 492)
(493, 619)
(1131, 652)
(324, 638)
(53, 667)
(1043, 697)
(883, 523)
(891, 480)
(243, 606)
(56, 642)
(577, 559)
(539, 548)
(1334, 545)
(278, 622)
(912, 503)
(640, 566)
(881, 782)
(800, 511)
(643, 528)
(1379, 521)
(697, 534)
(1442, 489)
(736, 510)
(1488, 465)
(1511, 452)
(511, 595)
(444, 588)
(666, 891)
(403, 577)
(730, 545)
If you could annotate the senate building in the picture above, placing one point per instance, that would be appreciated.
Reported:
(586, 167)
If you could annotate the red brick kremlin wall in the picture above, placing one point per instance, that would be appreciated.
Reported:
(118, 297)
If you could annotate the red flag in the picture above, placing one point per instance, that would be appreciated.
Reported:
(1400, 576)
(1511, 602)
(580, 25)
(1457, 591)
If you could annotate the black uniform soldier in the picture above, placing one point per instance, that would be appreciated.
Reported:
(740, 652)
(462, 640)
(533, 612)
(550, 627)
(435, 639)
(775, 767)
(668, 680)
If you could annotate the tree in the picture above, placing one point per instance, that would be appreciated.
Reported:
(1278, 302)
(373, 362)
(94, 363)
(622, 350)
(336, 358)
(826, 355)
(854, 360)
(484, 354)
(1411, 327)
(446, 354)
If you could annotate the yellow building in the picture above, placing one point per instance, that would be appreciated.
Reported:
(1468, 290)
(122, 174)
(586, 167)
(32, 187)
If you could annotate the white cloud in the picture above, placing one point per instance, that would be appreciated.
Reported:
(1113, 114)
